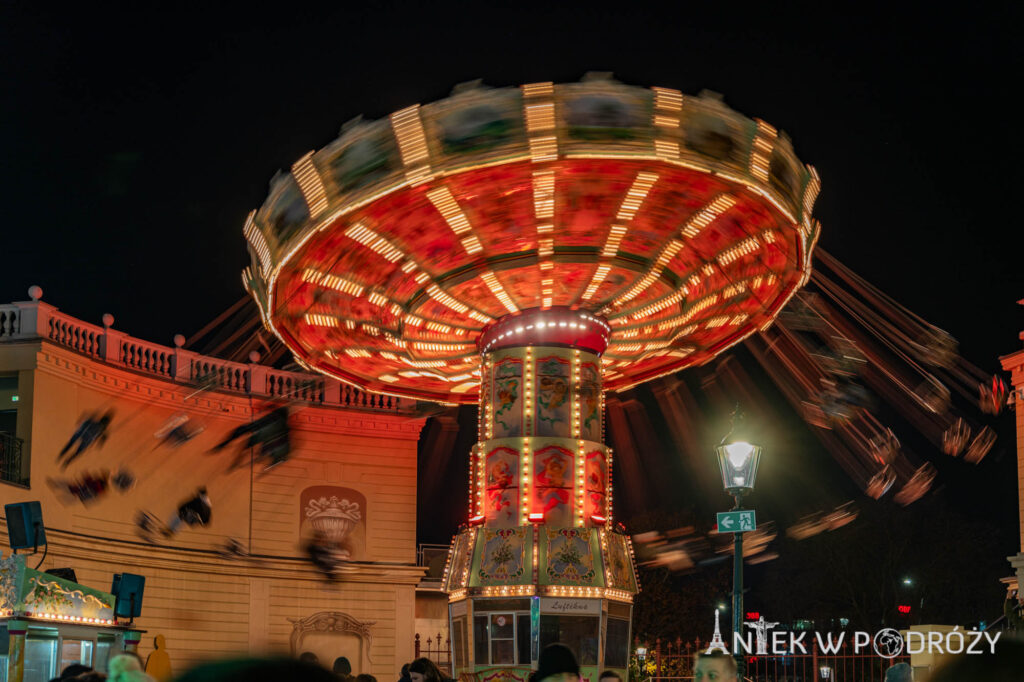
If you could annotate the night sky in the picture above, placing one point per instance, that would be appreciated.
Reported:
(134, 143)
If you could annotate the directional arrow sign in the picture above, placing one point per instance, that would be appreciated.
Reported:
(736, 521)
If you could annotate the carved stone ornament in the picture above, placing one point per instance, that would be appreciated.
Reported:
(331, 621)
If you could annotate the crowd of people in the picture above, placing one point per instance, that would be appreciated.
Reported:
(557, 663)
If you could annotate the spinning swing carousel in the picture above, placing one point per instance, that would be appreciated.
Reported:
(527, 249)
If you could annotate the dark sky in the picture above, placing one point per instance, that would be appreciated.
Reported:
(134, 142)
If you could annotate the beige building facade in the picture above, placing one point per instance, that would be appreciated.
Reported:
(352, 475)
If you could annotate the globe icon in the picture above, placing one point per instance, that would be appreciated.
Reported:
(888, 643)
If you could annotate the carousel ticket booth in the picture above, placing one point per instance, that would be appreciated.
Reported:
(47, 623)
(539, 562)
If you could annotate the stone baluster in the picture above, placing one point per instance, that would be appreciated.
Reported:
(111, 343)
(182, 367)
(256, 375)
(332, 391)
(34, 315)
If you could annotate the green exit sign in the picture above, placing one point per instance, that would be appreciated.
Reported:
(736, 521)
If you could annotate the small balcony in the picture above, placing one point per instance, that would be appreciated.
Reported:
(10, 460)
(433, 557)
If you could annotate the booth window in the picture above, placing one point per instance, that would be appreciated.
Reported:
(459, 631)
(523, 638)
(579, 633)
(616, 647)
(501, 637)
(104, 643)
(4, 646)
(40, 657)
(75, 651)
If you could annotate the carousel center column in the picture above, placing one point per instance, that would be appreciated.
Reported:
(537, 562)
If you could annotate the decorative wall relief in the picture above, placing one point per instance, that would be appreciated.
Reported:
(502, 495)
(338, 514)
(333, 622)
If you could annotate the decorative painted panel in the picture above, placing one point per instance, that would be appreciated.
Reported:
(553, 468)
(508, 397)
(596, 478)
(476, 121)
(619, 562)
(568, 557)
(554, 407)
(590, 402)
(367, 153)
(610, 115)
(458, 564)
(502, 496)
(503, 557)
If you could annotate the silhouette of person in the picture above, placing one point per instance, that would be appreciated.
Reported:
(158, 663)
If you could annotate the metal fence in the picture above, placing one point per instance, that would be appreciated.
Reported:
(675, 660)
(436, 649)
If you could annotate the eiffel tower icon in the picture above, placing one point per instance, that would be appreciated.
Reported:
(717, 644)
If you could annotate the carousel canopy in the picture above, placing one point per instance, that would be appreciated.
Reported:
(675, 223)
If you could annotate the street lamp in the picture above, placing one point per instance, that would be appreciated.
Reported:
(641, 657)
(738, 458)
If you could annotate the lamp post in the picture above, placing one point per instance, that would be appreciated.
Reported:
(738, 459)
(641, 657)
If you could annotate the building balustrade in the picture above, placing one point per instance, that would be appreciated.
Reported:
(35, 320)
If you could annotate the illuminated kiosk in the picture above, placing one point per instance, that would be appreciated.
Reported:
(48, 623)
(526, 249)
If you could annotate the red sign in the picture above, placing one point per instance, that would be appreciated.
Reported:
(903, 608)
(753, 615)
